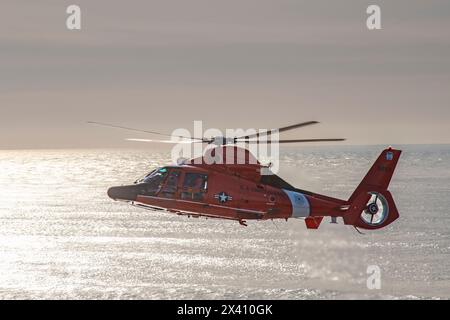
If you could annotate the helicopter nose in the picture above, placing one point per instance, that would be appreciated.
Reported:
(128, 193)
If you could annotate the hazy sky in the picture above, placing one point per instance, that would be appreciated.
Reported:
(159, 65)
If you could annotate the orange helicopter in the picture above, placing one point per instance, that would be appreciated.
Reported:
(236, 189)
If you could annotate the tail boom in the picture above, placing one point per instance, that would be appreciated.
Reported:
(371, 206)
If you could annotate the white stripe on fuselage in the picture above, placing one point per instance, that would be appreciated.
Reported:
(300, 204)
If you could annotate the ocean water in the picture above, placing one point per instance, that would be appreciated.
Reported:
(61, 237)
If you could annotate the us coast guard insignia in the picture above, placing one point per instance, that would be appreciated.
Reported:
(223, 197)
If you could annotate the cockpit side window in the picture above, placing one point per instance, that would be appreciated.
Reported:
(170, 188)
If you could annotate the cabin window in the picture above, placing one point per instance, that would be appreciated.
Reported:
(195, 186)
(170, 188)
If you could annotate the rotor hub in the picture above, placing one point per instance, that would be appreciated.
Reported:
(373, 208)
(376, 210)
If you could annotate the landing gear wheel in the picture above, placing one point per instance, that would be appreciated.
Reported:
(242, 222)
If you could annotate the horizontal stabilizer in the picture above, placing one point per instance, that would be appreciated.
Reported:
(313, 222)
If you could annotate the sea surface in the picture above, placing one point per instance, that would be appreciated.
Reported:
(61, 237)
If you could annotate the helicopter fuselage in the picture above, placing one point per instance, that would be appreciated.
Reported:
(240, 192)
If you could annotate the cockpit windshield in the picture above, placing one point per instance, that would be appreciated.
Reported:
(157, 175)
(154, 180)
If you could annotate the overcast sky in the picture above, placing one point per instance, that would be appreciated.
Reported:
(159, 65)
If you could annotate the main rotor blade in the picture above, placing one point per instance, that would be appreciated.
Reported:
(162, 141)
(298, 125)
(145, 131)
(290, 141)
(282, 129)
